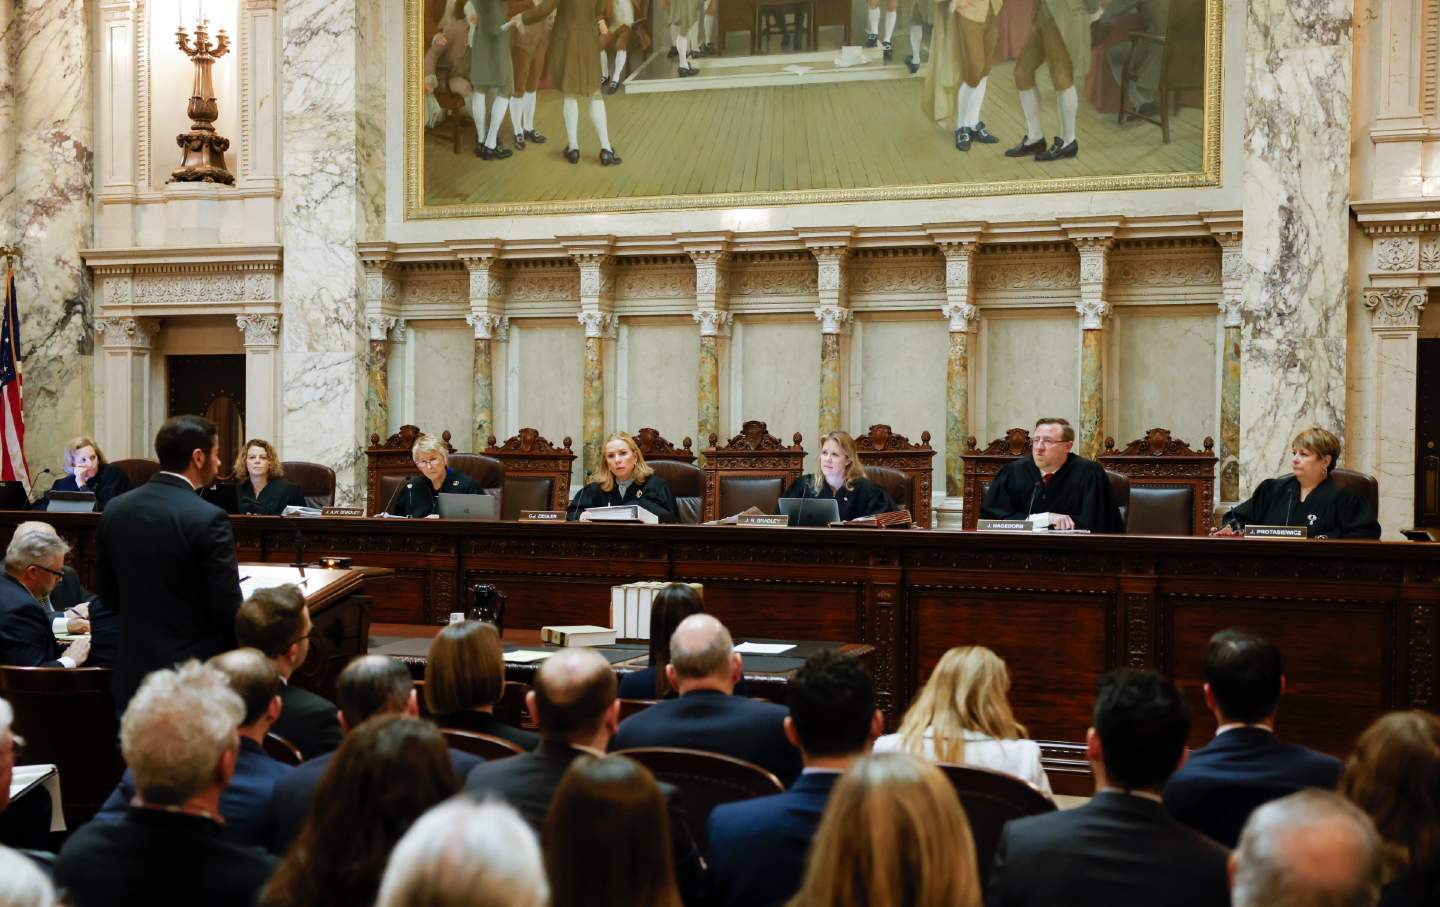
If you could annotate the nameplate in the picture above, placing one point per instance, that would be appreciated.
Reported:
(542, 516)
(762, 519)
(1276, 532)
(342, 511)
(1004, 526)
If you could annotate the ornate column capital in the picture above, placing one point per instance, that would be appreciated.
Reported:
(487, 281)
(489, 327)
(833, 319)
(259, 330)
(961, 316)
(597, 278)
(713, 322)
(1094, 268)
(381, 326)
(959, 305)
(599, 324)
(127, 333)
(712, 277)
(1395, 308)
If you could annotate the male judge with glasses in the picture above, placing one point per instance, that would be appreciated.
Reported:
(1072, 489)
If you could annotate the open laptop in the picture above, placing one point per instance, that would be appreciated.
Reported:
(469, 506)
(223, 494)
(71, 501)
(810, 511)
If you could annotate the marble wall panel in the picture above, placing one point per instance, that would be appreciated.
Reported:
(1030, 366)
(656, 375)
(9, 33)
(775, 377)
(901, 379)
(443, 359)
(1166, 375)
(546, 377)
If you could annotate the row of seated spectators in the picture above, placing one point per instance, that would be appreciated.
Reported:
(395, 817)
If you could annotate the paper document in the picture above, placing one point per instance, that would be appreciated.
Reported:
(764, 648)
(526, 656)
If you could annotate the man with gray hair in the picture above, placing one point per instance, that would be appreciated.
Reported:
(34, 566)
(1310, 849)
(704, 668)
(180, 738)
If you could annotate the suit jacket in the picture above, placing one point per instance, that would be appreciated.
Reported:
(1221, 783)
(712, 721)
(167, 567)
(157, 858)
(528, 782)
(307, 720)
(757, 848)
(293, 793)
(487, 723)
(26, 639)
(1116, 849)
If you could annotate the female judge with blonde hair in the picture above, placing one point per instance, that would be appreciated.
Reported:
(623, 477)
(963, 717)
(842, 477)
(420, 495)
(87, 470)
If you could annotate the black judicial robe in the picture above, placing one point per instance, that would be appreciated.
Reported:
(277, 494)
(418, 498)
(864, 499)
(1078, 489)
(654, 495)
(107, 482)
(1329, 510)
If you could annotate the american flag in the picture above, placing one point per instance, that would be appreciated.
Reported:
(12, 410)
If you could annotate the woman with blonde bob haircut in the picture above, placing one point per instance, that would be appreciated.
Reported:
(420, 495)
(260, 480)
(623, 477)
(842, 477)
(465, 678)
(86, 469)
(963, 717)
(1307, 497)
(893, 833)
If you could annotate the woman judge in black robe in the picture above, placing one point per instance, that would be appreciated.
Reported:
(1054, 480)
(261, 484)
(842, 477)
(420, 495)
(1308, 497)
(87, 470)
(623, 477)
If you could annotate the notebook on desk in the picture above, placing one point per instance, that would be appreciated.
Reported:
(810, 511)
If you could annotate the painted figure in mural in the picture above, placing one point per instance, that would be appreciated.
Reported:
(491, 73)
(683, 16)
(574, 48)
(448, 54)
(922, 16)
(527, 54)
(978, 22)
(1155, 17)
(1060, 39)
(619, 18)
(872, 31)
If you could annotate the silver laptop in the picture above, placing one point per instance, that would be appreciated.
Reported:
(71, 501)
(469, 506)
(810, 511)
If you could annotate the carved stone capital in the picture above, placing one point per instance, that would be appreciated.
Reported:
(713, 322)
(597, 275)
(833, 318)
(830, 271)
(127, 333)
(599, 324)
(1395, 308)
(489, 327)
(961, 316)
(259, 330)
(1093, 313)
(381, 286)
(1232, 306)
(380, 326)
(487, 279)
(1232, 265)
(959, 264)
(712, 275)
(1094, 259)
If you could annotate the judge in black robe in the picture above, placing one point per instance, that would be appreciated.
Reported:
(1078, 489)
(258, 463)
(419, 497)
(624, 478)
(101, 479)
(1308, 497)
(860, 498)
(277, 494)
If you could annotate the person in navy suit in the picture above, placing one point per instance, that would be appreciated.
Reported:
(277, 622)
(1245, 765)
(34, 566)
(757, 848)
(1122, 847)
(167, 560)
(704, 667)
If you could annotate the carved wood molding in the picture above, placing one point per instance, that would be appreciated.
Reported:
(654, 447)
(529, 441)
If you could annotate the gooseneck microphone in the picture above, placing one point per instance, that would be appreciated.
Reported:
(1030, 508)
(1290, 504)
(30, 498)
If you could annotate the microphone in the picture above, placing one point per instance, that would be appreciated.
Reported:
(1289, 504)
(393, 495)
(1030, 508)
(30, 498)
(1230, 520)
(299, 545)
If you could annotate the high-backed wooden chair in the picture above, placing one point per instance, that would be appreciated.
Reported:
(486, 746)
(537, 473)
(387, 464)
(1182, 63)
(706, 780)
(881, 447)
(981, 467)
(138, 471)
(485, 470)
(1361, 483)
(991, 799)
(316, 481)
(752, 469)
(676, 465)
(1172, 487)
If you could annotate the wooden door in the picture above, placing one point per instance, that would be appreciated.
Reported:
(1427, 435)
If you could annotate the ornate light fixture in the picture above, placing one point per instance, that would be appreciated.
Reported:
(203, 148)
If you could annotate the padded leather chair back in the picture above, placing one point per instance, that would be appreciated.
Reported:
(990, 800)
(706, 780)
(487, 471)
(511, 707)
(389, 487)
(1157, 510)
(525, 493)
(138, 471)
(1361, 483)
(630, 707)
(1120, 491)
(896, 484)
(282, 750)
(485, 746)
(686, 482)
(739, 493)
(316, 481)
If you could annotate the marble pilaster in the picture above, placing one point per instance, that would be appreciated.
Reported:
(262, 373)
(599, 328)
(123, 428)
(833, 313)
(1296, 225)
(488, 329)
(712, 299)
(1094, 310)
(1232, 299)
(377, 376)
(961, 314)
(1395, 321)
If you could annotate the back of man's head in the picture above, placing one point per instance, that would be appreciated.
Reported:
(832, 705)
(1310, 849)
(179, 438)
(271, 620)
(372, 685)
(176, 728)
(252, 676)
(1143, 723)
(1243, 670)
(573, 689)
(701, 647)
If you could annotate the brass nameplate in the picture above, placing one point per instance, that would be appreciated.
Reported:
(542, 516)
(762, 519)
(1276, 532)
(342, 511)
(1004, 526)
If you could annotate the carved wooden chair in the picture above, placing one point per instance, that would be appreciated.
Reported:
(1172, 487)
(486, 746)
(706, 780)
(388, 463)
(677, 467)
(981, 467)
(138, 471)
(537, 472)
(752, 469)
(1361, 483)
(882, 451)
(1182, 63)
(991, 799)
(316, 481)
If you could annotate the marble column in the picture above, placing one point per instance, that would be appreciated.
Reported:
(123, 429)
(1093, 309)
(262, 373)
(833, 313)
(377, 376)
(1232, 309)
(959, 310)
(599, 327)
(488, 329)
(712, 299)
(1296, 224)
(1395, 321)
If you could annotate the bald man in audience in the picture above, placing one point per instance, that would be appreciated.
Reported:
(1310, 849)
(704, 668)
(573, 702)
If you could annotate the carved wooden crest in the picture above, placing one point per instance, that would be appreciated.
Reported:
(527, 440)
(1158, 443)
(1015, 443)
(754, 436)
(880, 437)
(653, 446)
(405, 438)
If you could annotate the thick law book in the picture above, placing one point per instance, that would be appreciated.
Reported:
(578, 635)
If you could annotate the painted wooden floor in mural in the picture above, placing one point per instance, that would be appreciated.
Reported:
(763, 139)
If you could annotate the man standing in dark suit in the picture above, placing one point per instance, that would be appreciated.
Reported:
(34, 563)
(276, 622)
(757, 848)
(704, 667)
(1246, 765)
(167, 560)
(574, 704)
(1121, 847)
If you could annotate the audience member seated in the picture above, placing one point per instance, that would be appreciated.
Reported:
(384, 776)
(1121, 847)
(1245, 765)
(757, 847)
(894, 833)
(466, 854)
(573, 703)
(71, 608)
(607, 837)
(1310, 849)
(33, 568)
(465, 678)
(246, 804)
(420, 495)
(260, 481)
(24, 823)
(842, 479)
(22, 884)
(277, 622)
(623, 477)
(86, 469)
(672, 604)
(704, 668)
(1394, 776)
(370, 685)
(963, 716)
(179, 737)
